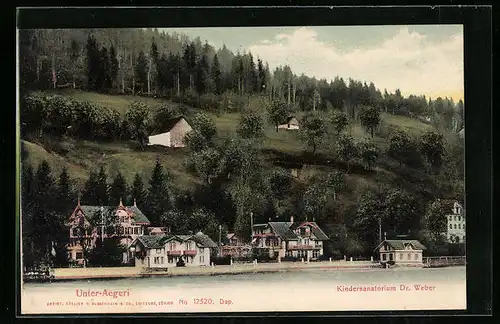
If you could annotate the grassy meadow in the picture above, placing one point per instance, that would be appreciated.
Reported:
(82, 156)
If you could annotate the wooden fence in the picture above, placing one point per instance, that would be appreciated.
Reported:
(444, 261)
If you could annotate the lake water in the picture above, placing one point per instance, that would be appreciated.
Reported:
(312, 290)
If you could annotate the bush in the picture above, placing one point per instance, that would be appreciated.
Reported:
(231, 102)
(209, 102)
(225, 260)
(290, 259)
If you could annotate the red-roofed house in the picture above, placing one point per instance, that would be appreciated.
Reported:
(130, 224)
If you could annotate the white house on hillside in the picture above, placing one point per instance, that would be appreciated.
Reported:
(164, 251)
(173, 134)
(290, 123)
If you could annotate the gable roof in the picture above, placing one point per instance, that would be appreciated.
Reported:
(168, 125)
(204, 240)
(137, 215)
(158, 241)
(317, 231)
(151, 241)
(400, 244)
(283, 230)
(289, 119)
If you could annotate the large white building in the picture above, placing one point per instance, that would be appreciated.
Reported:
(164, 251)
(455, 224)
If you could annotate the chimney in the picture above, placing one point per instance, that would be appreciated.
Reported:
(385, 236)
(135, 203)
(78, 204)
(291, 219)
(121, 203)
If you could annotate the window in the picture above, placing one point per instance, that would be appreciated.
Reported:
(79, 255)
(400, 256)
(158, 251)
(416, 256)
(455, 226)
(307, 242)
(136, 230)
(451, 237)
(459, 226)
(409, 256)
(202, 259)
(451, 226)
(162, 260)
(463, 238)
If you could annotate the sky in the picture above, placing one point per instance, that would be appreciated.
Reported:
(417, 59)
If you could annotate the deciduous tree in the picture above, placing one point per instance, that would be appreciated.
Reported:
(347, 150)
(370, 118)
(277, 112)
(313, 129)
(368, 151)
(432, 148)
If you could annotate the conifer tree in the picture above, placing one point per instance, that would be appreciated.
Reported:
(118, 190)
(89, 195)
(137, 193)
(216, 75)
(102, 189)
(261, 74)
(65, 193)
(158, 194)
(202, 73)
(113, 65)
(46, 223)
(141, 73)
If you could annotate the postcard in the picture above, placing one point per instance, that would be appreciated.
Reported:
(242, 169)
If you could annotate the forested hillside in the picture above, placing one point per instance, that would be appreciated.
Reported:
(90, 98)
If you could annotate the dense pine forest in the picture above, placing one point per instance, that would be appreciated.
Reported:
(90, 98)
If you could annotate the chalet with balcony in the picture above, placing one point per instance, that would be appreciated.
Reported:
(310, 242)
(85, 226)
(235, 247)
(300, 240)
(164, 251)
(401, 252)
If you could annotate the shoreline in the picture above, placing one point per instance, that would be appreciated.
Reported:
(72, 274)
